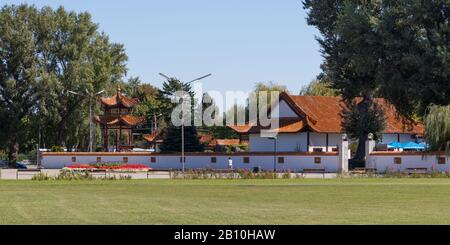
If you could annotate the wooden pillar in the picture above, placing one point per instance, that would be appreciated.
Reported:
(130, 137)
(307, 141)
(326, 149)
(119, 138)
(398, 137)
(105, 138)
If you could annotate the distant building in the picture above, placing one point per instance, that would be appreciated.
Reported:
(313, 124)
(116, 123)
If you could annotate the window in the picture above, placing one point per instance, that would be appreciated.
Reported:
(213, 159)
(74, 159)
(280, 159)
(153, 159)
(317, 160)
(397, 160)
(99, 159)
(125, 159)
(181, 159)
(246, 159)
(334, 149)
(317, 149)
(441, 160)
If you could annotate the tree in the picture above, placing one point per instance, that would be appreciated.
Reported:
(352, 49)
(415, 67)
(76, 57)
(319, 88)
(43, 54)
(20, 76)
(406, 43)
(172, 139)
(267, 88)
(437, 128)
(355, 125)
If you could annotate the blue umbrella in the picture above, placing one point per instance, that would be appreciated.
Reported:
(413, 146)
(395, 145)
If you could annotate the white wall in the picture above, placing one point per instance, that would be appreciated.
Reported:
(284, 110)
(294, 162)
(385, 161)
(295, 142)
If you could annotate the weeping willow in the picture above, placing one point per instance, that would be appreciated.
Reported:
(437, 128)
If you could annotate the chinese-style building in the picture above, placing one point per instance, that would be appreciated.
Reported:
(116, 123)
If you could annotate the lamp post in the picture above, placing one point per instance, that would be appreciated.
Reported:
(182, 114)
(90, 96)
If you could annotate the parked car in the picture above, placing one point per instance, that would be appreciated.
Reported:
(21, 165)
(3, 164)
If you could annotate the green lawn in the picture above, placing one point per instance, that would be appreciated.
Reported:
(297, 201)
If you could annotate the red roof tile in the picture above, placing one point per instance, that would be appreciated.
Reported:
(118, 99)
(323, 114)
(127, 120)
(286, 125)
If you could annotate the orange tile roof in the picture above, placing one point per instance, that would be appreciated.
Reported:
(154, 137)
(118, 99)
(127, 120)
(323, 114)
(205, 138)
(286, 125)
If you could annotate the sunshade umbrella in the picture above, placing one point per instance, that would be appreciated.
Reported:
(413, 146)
(395, 145)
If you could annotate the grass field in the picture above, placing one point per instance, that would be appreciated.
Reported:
(296, 201)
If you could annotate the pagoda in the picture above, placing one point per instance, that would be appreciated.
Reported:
(116, 123)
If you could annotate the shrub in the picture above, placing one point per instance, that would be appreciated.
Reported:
(56, 148)
(41, 177)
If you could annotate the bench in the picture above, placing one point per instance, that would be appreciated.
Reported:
(36, 171)
(313, 171)
(416, 170)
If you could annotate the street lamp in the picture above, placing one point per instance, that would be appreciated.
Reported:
(90, 96)
(182, 115)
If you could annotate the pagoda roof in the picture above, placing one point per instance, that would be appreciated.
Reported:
(127, 120)
(119, 99)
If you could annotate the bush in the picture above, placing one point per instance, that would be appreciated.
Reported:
(74, 175)
(56, 148)
(41, 177)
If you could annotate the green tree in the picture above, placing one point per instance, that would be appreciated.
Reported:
(319, 88)
(352, 48)
(172, 139)
(415, 68)
(266, 88)
(21, 80)
(44, 53)
(400, 49)
(76, 57)
(437, 128)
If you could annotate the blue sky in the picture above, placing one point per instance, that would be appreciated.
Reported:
(240, 42)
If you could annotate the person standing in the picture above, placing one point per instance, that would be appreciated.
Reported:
(230, 163)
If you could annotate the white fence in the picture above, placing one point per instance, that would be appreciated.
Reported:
(329, 162)
(384, 161)
(403, 161)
